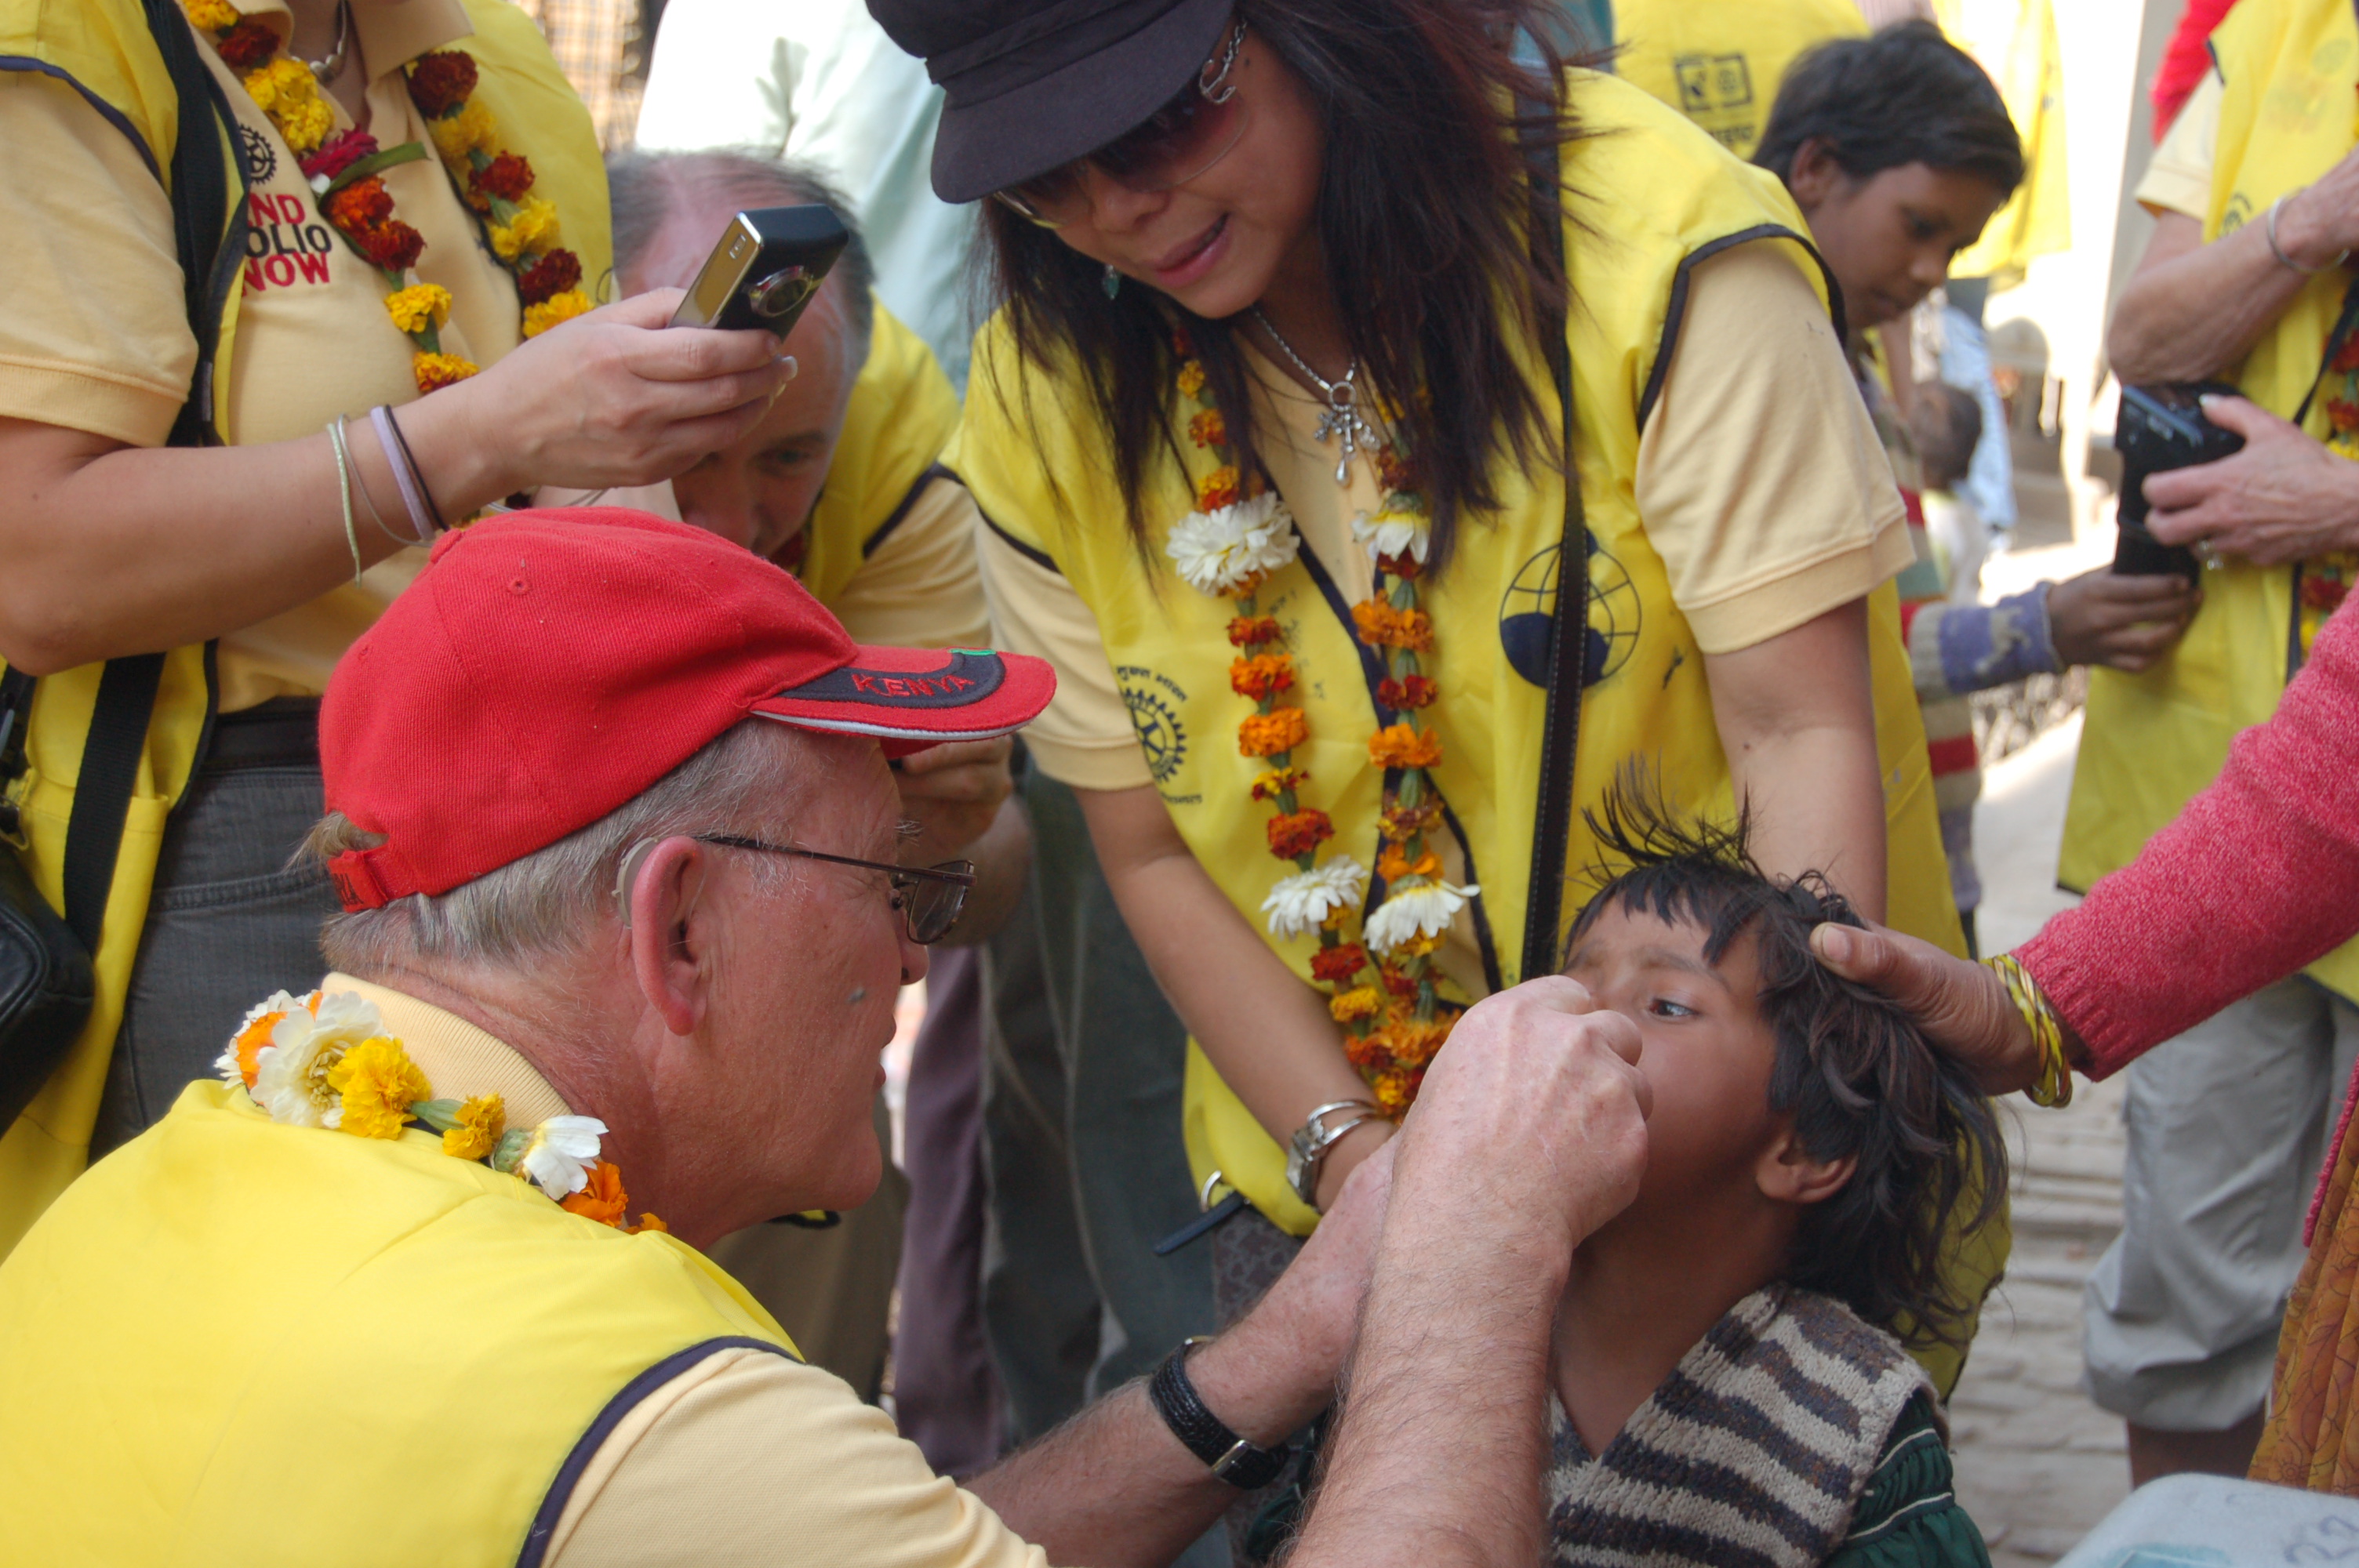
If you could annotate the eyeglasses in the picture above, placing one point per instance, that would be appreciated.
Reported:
(1199, 127)
(929, 897)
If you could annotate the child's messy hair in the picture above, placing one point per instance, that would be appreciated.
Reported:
(1852, 1068)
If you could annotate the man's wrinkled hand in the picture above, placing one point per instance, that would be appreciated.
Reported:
(952, 792)
(1535, 1113)
(2284, 498)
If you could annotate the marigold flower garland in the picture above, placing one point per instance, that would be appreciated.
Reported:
(2325, 580)
(1240, 533)
(324, 1060)
(345, 169)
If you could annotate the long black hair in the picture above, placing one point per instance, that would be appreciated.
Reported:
(1904, 95)
(1423, 205)
(1852, 1068)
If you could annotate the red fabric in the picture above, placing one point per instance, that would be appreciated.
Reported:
(2256, 878)
(2185, 60)
(1959, 755)
(547, 666)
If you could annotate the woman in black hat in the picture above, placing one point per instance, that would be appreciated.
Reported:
(1269, 427)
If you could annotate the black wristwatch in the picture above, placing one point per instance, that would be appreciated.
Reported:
(1243, 1464)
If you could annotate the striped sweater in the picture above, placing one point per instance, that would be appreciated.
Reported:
(1752, 1453)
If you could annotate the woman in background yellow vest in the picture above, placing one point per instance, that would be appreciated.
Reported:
(1266, 441)
(1720, 62)
(422, 200)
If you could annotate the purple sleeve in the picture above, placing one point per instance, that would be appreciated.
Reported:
(2257, 877)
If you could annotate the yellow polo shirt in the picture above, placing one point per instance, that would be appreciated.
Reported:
(94, 338)
(748, 1457)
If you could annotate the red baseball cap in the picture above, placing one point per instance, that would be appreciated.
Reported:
(549, 665)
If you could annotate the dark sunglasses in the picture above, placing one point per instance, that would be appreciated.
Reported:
(1171, 146)
(929, 897)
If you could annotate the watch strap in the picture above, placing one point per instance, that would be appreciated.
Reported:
(1244, 1465)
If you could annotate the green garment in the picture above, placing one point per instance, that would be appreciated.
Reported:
(1909, 1517)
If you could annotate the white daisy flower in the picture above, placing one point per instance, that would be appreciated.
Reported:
(1216, 552)
(1423, 909)
(1301, 903)
(291, 1079)
(1391, 533)
(226, 1064)
(561, 1152)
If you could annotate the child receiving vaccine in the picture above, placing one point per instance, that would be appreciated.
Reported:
(1731, 1377)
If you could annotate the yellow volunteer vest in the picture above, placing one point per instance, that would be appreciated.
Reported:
(2153, 741)
(2014, 41)
(1719, 61)
(901, 416)
(1660, 196)
(103, 46)
(255, 1344)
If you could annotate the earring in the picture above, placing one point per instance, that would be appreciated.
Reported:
(1112, 283)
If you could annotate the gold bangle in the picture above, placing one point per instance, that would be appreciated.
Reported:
(2053, 1087)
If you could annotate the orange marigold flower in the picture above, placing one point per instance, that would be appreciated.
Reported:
(1207, 429)
(1398, 823)
(1398, 983)
(435, 372)
(1253, 631)
(550, 277)
(2323, 592)
(1383, 626)
(1261, 675)
(1400, 746)
(247, 45)
(1406, 566)
(1351, 1006)
(1340, 963)
(1217, 489)
(362, 204)
(1393, 865)
(2342, 413)
(649, 1222)
(2346, 357)
(1295, 834)
(604, 1199)
(1269, 734)
(393, 245)
(1409, 691)
(1396, 1090)
(1394, 471)
(1371, 1052)
(1418, 946)
(1275, 782)
(1414, 1042)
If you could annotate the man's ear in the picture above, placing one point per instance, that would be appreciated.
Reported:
(1788, 1173)
(665, 898)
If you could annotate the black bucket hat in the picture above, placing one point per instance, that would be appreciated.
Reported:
(1030, 87)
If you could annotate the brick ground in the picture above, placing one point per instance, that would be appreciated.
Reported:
(2038, 1464)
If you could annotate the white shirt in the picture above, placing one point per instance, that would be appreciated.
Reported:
(817, 80)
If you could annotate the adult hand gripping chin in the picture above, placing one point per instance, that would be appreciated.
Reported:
(616, 398)
(1535, 1113)
(1962, 1008)
(2283, 498)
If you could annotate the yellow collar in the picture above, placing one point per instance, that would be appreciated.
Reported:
(458, 1059)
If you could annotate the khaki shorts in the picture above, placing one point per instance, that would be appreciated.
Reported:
(2227, 1125)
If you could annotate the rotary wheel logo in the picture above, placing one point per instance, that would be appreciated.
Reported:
(1153, 700)
(253, 150)
(1529, 605)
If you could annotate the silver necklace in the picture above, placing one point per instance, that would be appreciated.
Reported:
(1341, 417)
(323, 71)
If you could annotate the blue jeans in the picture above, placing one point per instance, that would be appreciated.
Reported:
(229, 923)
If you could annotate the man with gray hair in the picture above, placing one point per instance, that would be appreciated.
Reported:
(613, 823)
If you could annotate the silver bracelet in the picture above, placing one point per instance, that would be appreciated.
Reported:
(1306, 1153)
(2269, 229)
(397, 457)
(345, 489)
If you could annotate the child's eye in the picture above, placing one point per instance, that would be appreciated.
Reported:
(1664, 1007)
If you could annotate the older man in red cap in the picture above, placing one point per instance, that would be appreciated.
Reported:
(610, 813)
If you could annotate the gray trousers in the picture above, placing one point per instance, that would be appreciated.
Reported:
(1081, 1104)
(228, 924)
(2227, 1126)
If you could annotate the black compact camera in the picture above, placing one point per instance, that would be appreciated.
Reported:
(2161, 428)
(767, 265)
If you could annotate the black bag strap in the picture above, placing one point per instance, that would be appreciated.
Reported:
(208, 224)
(1569, 628)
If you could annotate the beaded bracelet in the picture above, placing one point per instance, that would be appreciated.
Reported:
(2053, 1087)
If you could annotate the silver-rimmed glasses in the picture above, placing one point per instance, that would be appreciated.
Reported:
(929, 897)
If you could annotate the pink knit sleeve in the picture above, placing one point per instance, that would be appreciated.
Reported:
(2256, 878)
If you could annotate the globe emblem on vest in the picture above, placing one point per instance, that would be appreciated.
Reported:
(1529, 605)
(1162, 739)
